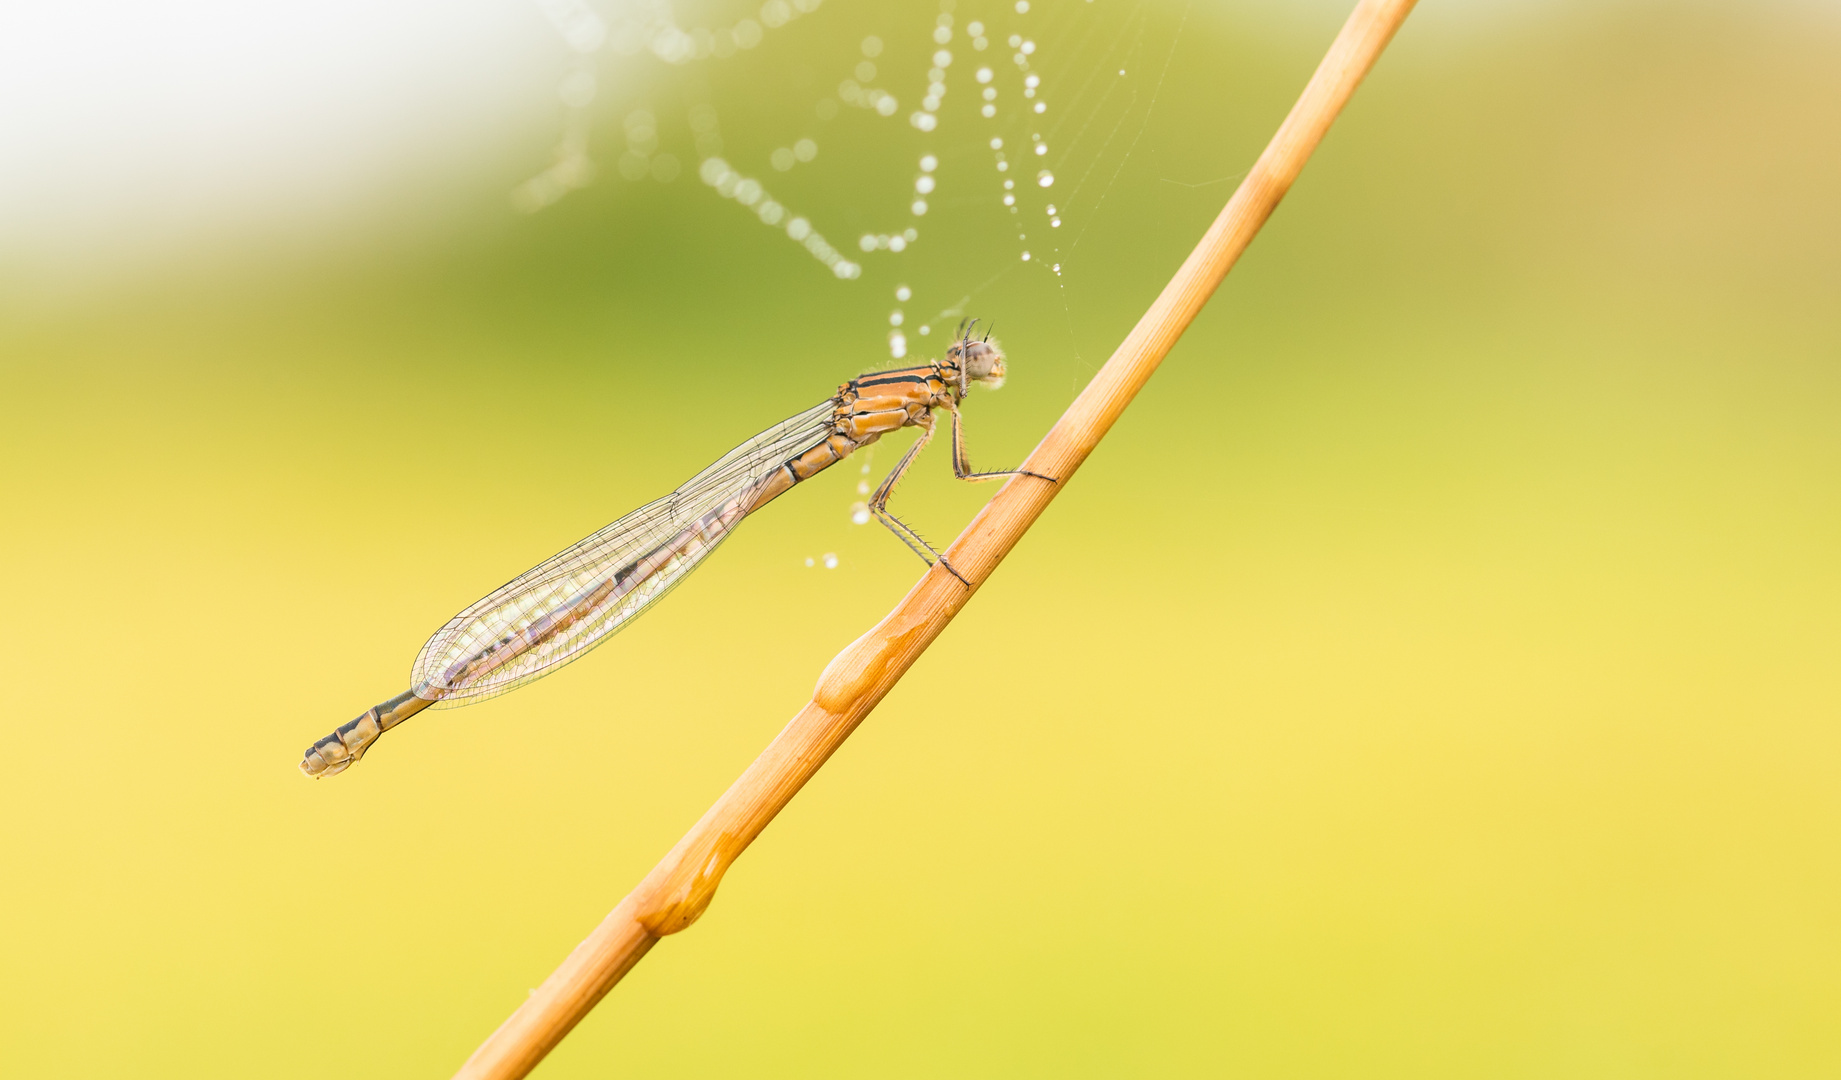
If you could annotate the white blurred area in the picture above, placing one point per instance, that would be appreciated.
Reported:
(137, 133)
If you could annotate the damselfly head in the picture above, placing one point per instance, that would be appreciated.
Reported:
(982, 362)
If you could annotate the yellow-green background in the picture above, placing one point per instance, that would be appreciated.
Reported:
(1434, 674)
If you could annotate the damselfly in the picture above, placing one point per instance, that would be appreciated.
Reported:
(571, 602)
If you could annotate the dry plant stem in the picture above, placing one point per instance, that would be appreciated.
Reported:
(680, 887)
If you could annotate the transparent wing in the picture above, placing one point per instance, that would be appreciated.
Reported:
(571, 602)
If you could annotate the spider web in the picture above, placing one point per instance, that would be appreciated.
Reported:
(1018, 117)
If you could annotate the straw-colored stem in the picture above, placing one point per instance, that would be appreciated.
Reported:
(681, 885)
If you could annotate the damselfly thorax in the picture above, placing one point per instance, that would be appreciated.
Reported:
(571, 602)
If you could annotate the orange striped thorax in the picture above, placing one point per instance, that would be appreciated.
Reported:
(872, 405)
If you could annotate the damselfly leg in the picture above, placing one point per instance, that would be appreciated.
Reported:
(962, 465)
(879, 502)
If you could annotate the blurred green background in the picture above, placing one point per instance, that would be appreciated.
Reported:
(1432, 675)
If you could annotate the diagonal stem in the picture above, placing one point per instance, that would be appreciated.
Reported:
(681, 885)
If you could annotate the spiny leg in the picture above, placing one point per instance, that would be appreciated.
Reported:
(879, 502)
(962, 465)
